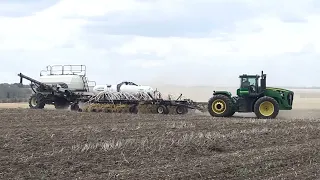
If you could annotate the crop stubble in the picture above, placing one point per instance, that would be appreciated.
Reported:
(66, 145)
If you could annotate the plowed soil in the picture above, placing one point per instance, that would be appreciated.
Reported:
(52, 144)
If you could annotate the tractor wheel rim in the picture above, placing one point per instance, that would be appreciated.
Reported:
(266, 108)
(33, 101)
(218, 106)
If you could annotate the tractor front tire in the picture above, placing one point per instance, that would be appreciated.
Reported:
(232, 112)
(266, 108)
(220, 106)
(36, 101)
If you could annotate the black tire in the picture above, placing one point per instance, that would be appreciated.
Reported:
(74, 107)
(231, 114)
(223, 106)
(181, 110)
(36, 101)
(162, 109)
(271, 105)
(186, 110)
(61, 104)
(232, 111)
(133, 109)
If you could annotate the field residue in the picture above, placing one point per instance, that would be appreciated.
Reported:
(69, 145)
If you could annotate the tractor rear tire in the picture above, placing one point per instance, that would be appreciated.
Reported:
(220, 106)
(36, 101)
(266, 108)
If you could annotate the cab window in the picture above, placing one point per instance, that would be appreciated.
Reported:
(246, 82)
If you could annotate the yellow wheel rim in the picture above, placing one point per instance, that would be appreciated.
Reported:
(218, 106)
(266, 108)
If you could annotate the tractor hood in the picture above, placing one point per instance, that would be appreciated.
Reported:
(278, 89)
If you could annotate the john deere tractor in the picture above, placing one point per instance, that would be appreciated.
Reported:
(264, 101)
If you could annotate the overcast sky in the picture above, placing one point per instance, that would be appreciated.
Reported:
(192, 42)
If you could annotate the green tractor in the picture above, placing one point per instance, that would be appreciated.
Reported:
(264, 101)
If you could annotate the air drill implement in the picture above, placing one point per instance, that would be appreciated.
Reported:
(69, 86)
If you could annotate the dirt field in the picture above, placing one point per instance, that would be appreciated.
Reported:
(50, 144)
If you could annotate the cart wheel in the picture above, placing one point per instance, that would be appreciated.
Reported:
(74, 107)
(133, 109)
(162, 109)
(181, 110)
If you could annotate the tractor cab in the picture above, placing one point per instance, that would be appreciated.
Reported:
(250, 86)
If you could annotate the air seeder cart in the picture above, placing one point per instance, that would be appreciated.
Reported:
(67, 85)
(59, 85)
(264, 101)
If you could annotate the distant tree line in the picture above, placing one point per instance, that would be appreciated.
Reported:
(10, 93)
